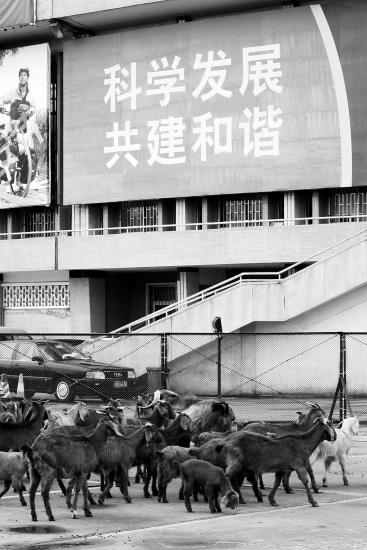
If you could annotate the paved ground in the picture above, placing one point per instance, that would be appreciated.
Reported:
(339, 522)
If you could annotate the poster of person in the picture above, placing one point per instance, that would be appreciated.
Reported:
(24, 126)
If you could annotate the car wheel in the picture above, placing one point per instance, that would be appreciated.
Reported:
(64, 390)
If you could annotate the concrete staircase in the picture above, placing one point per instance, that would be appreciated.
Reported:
(239, 301)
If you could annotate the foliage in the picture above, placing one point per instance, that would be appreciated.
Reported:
(4, 53)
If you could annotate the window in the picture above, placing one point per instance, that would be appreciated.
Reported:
(142, 216)
(247, 211)
(161, 295)
(348, 206)
(36, 221)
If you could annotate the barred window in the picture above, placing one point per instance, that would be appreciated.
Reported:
(161, 295)
(35, 295)
(39, 220)
(142, 215)
(247, 211)
(348, 206)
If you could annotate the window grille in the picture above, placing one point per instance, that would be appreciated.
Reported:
(35, 221)
(348, 206)
(142, 215)
(161, 296)
(245, 211)
(35, 296)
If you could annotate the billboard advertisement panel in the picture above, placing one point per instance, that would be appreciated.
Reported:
(236, 104)
(24, 126)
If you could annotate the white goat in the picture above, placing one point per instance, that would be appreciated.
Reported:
(13, 468)
(329, 451)
(67, 417)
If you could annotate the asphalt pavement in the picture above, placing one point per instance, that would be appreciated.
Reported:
(339, 522)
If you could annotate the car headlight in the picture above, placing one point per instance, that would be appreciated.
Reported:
(96, 374)
(131, 374)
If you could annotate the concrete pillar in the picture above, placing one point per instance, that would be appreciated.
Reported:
(180, 214)
(315, 206)
(289, 208)
(187, 283)
(87, 304)
(204, 212)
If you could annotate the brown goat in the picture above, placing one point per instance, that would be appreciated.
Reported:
(212, 479)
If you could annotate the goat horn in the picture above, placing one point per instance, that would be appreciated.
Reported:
(156, 398)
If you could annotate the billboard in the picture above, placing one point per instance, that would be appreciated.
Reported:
(245, 103)
(24, 126)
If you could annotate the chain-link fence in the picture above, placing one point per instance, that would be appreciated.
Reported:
(263, 376)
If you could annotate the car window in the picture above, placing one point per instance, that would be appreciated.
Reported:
(24, 351)
(7, 349)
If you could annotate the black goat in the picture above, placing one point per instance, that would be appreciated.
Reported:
(177, 433)
(303, 423)
(56, 454)
(212, 479)
(251, 454)
(12, 436)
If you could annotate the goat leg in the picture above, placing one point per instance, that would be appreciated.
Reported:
(187, 493)
(312, 478)
(343, 465)
(148, 476)
(287, 488)
(327, 463)
(62, 486)
(123, 479)
(86, 493)
(45, 492)
(35, 481)
(7, 483)
(302, 474)
(21, 498)
(277, 481)
(261, 482)
(252, 478)
(78, 485)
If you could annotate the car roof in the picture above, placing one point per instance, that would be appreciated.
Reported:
(8, 330)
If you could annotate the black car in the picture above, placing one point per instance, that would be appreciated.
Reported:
(50, 366)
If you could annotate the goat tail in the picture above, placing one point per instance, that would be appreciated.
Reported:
(27, 452)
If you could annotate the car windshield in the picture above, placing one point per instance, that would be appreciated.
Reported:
(60, 351)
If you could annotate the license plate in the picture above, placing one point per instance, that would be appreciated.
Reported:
(120, 384)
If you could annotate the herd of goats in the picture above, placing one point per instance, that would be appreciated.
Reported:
(169, 436)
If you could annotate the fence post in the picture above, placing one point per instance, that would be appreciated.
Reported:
(219, 362)
(343, 377)
(164, 361)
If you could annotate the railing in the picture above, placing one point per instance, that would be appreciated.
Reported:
(197, 226)
(258, 277)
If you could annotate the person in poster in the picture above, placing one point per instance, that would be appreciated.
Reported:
(24, 143)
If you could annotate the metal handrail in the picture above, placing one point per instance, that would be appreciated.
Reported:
(121, 230)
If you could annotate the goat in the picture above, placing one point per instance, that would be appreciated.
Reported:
(168, 467)
(329, 451)
(160, 416)
(12, 436)
(118, 456)
(73, 455)
(212, 479)
(303, 423)
(177, 433)
(13, 468)
(201, 438)
(69, 417)
(251, 454)
(210, 415)
(206, 414)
